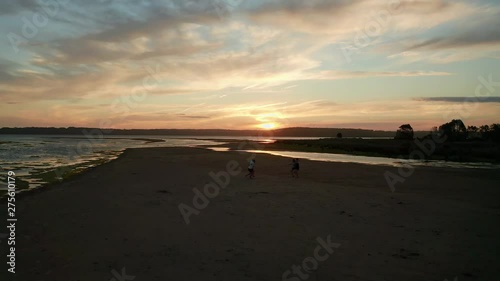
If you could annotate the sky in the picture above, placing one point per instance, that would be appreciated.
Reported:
(245, 64)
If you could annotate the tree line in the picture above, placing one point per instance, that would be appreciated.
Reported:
(455, 130)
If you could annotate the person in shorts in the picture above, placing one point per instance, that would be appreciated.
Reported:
(251, 169)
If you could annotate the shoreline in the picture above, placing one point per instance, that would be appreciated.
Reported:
(230, 145)
(88, 170)
(70, 174)
(385, 148)
(265, 147)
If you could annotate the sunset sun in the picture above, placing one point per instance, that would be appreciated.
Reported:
(268, 126)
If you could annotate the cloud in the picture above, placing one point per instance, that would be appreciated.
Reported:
(303, 16)
(345, 17)
(461, 99)
(474, 35)
(193, 116)
(14, 6)
(333, 75)
(196, 50)
(5, 71)
(478, 32)
(98, 51)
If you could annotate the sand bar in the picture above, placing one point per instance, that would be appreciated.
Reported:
(123, 216)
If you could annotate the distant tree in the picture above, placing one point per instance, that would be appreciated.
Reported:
(472, 132)
(339, 135)
(472, 129)
(454, 130)
(484, 131)
(405, 132)
(494, 132)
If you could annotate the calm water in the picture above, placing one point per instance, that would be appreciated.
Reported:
(28, 155)
(369, 160)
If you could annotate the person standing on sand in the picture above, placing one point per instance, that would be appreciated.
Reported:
(251, 169)
(295, 168)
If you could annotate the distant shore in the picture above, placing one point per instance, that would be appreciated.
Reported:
(282, 132)
(124, 215)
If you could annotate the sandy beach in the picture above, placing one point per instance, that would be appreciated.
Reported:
(121, 221)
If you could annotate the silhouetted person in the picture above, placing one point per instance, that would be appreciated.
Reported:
(295, 168)
(251, 169)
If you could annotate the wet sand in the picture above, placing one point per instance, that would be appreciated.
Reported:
(123, 217)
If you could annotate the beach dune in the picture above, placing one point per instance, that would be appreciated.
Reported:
(121, 221)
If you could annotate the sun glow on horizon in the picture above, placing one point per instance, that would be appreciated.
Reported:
(268, 126)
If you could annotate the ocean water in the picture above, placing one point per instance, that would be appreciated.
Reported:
(33, 157)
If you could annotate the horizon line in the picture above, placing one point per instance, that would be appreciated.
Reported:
(204, 129)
